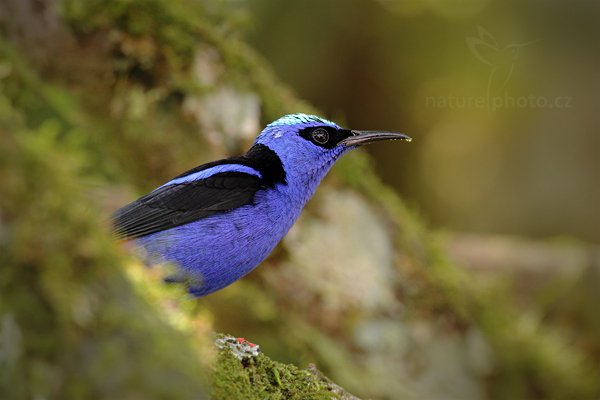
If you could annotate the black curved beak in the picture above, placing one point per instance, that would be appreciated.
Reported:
(364, 137)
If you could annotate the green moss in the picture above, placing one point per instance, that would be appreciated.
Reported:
(262, 378)
(74, 325)
(173, 26)
(177, 29)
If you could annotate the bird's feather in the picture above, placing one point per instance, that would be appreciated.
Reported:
(179, 203)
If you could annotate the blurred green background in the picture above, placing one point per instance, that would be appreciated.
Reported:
(515, 167)
(464, 265)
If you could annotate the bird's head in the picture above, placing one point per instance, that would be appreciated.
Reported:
(310, 143)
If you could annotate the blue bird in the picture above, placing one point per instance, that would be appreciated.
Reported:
(218, 221)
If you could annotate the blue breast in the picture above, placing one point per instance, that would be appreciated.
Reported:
(216, 251)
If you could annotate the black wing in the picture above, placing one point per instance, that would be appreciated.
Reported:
(180, 203)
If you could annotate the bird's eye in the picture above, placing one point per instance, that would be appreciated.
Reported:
(320, 136)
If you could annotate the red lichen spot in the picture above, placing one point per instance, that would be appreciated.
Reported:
(242, 340)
